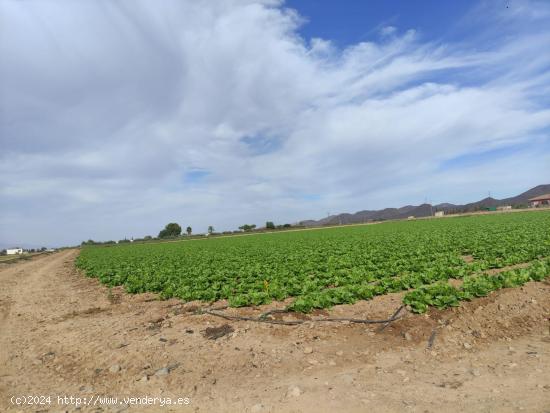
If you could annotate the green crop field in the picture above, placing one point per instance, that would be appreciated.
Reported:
(321, 268)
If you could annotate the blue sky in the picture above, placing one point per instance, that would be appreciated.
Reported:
(118, 117)
(347, 22)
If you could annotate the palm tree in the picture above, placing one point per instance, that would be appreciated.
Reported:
(210, 229)
(189, 230)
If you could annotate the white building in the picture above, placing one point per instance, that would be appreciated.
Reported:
(13, 251)
(439, 213)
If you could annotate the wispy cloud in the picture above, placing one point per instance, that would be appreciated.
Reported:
(105, 106)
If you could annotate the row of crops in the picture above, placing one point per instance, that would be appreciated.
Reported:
(322, 268)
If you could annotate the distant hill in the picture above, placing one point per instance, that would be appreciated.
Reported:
(426, 210)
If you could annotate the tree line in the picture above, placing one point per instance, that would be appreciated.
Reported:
(174, 230)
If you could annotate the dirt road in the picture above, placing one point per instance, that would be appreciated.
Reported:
(62, 334)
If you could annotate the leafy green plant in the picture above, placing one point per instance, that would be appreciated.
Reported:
(326, 267)
(443, 295)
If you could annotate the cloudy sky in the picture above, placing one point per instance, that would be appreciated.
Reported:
(117, 117)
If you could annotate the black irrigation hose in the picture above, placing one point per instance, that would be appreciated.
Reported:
(393, 317)
(268, 313)
(432, 338)
(263, 318)
(259, 320)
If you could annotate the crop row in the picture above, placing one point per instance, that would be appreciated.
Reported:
(321, 268)
(443, 295)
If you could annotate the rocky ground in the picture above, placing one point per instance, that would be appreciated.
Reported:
(62, 334)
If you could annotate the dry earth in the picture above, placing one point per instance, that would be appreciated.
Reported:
(64, 334)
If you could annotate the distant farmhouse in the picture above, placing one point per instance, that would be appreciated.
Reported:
(14, 251)
(542, 200)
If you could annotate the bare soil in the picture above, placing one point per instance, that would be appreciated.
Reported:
(65, 334)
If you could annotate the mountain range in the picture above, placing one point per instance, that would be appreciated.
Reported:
(426, 210)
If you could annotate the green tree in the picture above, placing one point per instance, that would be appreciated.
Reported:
(210, 229)
(170, 230)
(247, 227)
(189, 230)
(270, 225)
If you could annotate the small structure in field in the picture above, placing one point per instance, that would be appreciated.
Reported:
(439, 213)
(504, 208)
(14, 251)
(411, 218)
(542, 200)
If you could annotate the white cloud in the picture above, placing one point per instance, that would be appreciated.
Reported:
(388, 30)
(107, 106)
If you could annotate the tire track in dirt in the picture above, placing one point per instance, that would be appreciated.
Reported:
(22, 295)
(22, 283)
(63, 333)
